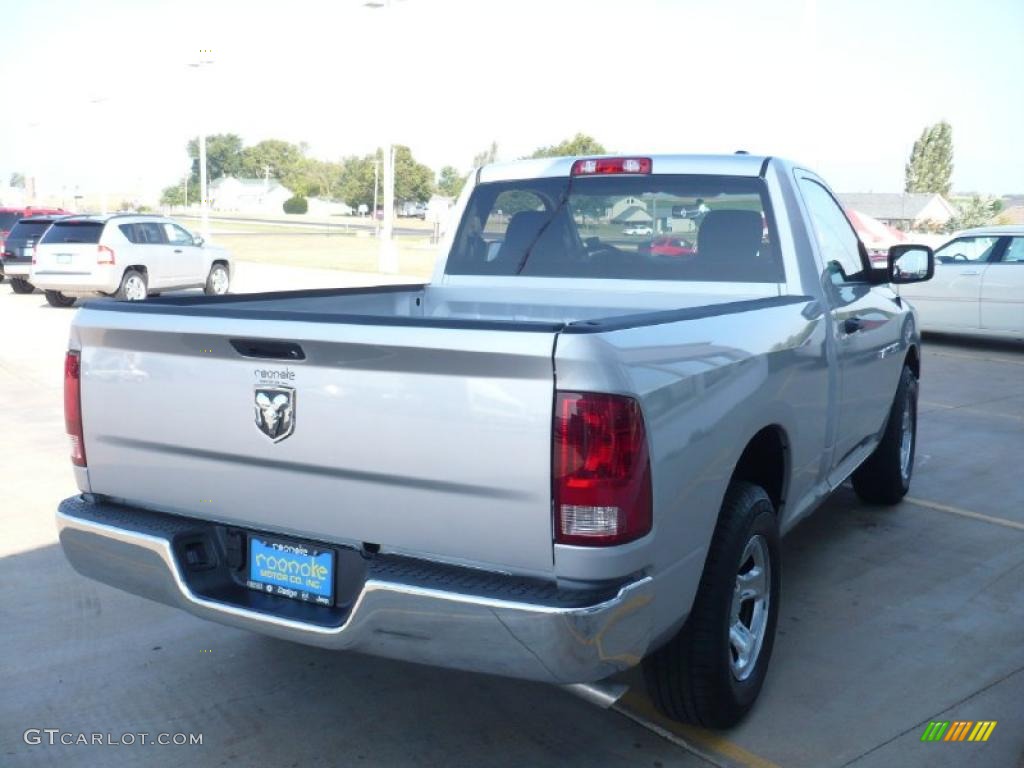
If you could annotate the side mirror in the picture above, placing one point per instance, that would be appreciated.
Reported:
(910, 264)
(197, 240)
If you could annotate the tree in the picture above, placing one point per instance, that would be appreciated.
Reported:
(223, 155)
(972, 213)
(930, 168)
(175, 194)
(357, 179)
(17, 181)
(450, 182)
(296, 204)
(281, 157)
(489, 155)
(414, 181)
(580, 144)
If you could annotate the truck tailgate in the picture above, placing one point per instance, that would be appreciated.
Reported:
(424, 440)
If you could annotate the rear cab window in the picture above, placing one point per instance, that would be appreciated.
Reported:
(8, 219)
(639, 227)
(74, 232)
(29, 230)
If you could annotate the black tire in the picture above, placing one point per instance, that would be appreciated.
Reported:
(884, 478)
(20, 285)
(58, 299)
(692, 678)
(209, 289)
(129, 287)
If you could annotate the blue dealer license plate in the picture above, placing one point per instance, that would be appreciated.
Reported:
(291, 569)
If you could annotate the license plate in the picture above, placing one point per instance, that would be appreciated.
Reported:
(63, 258)
(292, 569)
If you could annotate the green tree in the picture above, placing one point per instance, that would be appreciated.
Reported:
(974, 212)
(174, 195)
(17, 181)
(282, 158)
(414, 181)
(930, 168)
(489, 155)
(580, 144)
(450, 182)
(355, 186)
(223, 155)
(296, 204)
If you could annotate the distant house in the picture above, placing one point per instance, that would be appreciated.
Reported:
(247, 195)
(904, 211)
(629, 210)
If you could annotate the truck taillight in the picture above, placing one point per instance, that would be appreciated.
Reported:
(73, 406)
(611, 165)
(104, 255)
(601, 470)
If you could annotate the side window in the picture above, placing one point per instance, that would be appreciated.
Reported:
(967, 250)
(836, 237)
(149, 233)
(128, 230)
(177, 235)
(1015, 250)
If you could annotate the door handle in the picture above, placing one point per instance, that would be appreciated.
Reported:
(177, 250)
(970, 272)
(852, 325)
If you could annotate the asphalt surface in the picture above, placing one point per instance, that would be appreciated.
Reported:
(890, 618)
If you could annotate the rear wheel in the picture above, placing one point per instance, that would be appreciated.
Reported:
(20, 285)
(133, 286)
(884, 478)
(218, 281)
(711, 672)
(58, 299)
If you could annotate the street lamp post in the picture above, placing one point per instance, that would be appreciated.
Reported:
(387, 259)
(204, 196)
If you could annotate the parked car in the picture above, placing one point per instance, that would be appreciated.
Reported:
(10, 216)
(555, 461)
(670, 246)
(19, 249)
(412, 210)
(638, 229)
(978, 288)
(126, 255)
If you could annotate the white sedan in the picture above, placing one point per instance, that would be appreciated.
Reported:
(978, 286)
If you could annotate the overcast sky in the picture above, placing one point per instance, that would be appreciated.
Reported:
(102, 89)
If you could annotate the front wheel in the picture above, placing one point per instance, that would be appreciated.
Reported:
(218, 281)
(884, 478)
(58, 299)
(711, 672)
(20, 285)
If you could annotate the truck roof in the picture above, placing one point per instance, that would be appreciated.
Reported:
(545, 167)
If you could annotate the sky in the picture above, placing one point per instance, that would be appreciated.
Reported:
(101, 94)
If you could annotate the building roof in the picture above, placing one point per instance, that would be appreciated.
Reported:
(254, 184)
(892, 205)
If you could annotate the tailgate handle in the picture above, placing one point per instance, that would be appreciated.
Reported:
(268, 350)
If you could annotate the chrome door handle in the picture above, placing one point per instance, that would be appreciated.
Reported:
(972, 272)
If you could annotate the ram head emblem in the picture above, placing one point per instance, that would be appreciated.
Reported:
(275, 412)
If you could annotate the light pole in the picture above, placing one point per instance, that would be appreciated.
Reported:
(376, 182)
(97, 101)
(387, 259)
(205, 59)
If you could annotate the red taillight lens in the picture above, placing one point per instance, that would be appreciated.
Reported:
(611, 165)
(73, 406)
(601, 470)
(104, 255)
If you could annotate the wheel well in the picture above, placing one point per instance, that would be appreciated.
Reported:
(914, 361)
(764, 462)
(137, 268)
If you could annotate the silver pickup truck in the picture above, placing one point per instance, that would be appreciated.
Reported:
(572, 452)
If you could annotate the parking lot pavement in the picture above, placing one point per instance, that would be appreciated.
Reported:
(890, 618)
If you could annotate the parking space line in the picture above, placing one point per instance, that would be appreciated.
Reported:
(964, 513)
(705, 744)
(929, 406)
(975, 358)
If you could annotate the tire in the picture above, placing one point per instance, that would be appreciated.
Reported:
(133, 286)
(218, 281)
(698, 676)
(58, 299)
(20, 285)
(884, 478)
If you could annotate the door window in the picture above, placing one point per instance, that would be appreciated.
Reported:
(1015, 250)
(840, 247)
(177, 235)
(967, 250)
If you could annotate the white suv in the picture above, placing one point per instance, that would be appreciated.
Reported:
(126, 255)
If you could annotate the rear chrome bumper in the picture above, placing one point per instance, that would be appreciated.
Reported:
(504, 632)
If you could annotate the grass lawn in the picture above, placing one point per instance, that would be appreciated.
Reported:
(347, 252)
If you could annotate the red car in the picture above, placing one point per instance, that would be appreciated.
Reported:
(671, 246)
